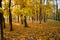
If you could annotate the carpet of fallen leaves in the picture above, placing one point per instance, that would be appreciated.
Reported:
(45, 31)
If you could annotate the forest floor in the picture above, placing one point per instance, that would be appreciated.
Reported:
(45, 31)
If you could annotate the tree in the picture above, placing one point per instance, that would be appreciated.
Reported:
(40, 15)
(57, 14)
(37, 8)
(48, 8)
(44, 12)
(5, 6)
(16, 13)
(10, 16)
(1, 20)
(54, 10)
(22, 7)
(21, 18)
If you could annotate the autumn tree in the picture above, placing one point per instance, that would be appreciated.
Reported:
(57, 14)
(22, 6)
(1, 20)
(40, 15)
(10, 16)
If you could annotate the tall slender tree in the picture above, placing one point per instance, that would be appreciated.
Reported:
(1, 20)
(10, 16)
(44, 13)
(40, 15)
(25, 21)
(37, 15)
(21, 18)
(33, 12)
(57, 14)
(56, 10)
(18, 18)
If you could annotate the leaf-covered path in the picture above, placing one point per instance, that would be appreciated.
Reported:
(45, 31)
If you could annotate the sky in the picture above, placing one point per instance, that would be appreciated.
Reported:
(58, 3)
(55, 3)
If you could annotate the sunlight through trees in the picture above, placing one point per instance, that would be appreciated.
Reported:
(25, 11)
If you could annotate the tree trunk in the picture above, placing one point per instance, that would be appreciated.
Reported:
(33, 19)
(1, 25)
(25, 22)
(4, 22)
(40, 15)
(57, 14)
(10, 16)
(54, 11)
(47, 2)
(37, 15)
(44, 17)
(1, 22)
(33, 16)
(18, 18)
(45, 12)
(21, 19)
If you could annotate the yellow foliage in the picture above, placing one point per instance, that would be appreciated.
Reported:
(1, 10)
(28, 7)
